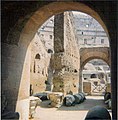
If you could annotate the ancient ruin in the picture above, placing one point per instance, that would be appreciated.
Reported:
(37, 60)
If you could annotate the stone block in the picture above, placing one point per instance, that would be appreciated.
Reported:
(56, 99)
(34, 102)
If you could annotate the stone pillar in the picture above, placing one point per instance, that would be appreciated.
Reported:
(58, 49)
(59, 33)
(66, 55)
(58, 83)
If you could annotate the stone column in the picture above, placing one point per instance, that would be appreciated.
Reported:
(58, 52)
(66, 55)
(59, 33)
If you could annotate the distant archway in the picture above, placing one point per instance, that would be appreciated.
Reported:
(95, 77)
(87, 54)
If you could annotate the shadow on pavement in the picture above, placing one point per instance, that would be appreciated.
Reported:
(86, 105)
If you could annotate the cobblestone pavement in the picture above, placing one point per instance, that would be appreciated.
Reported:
(77, 112)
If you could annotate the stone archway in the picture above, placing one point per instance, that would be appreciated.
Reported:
(101, 76)
(87, 54)
(22, 50)
(42, 14)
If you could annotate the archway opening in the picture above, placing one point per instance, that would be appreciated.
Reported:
(96, 82)
(86, 38)
(96, 77)
(32, 26)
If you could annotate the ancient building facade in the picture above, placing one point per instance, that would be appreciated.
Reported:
(90, 33)
(46, 34)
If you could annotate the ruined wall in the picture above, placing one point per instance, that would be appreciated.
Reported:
(40, 61)
(66, 56)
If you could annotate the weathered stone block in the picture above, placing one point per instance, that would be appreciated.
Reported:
(34, 102)
(56, 99)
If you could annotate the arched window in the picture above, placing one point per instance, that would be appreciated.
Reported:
(37, 56)
(50, 51)
(93, 76)
(36, 64)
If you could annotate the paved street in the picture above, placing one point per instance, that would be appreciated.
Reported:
(77, 112)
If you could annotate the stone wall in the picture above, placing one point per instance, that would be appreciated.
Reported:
(66, 58)
(40, 61)
(87, 54)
